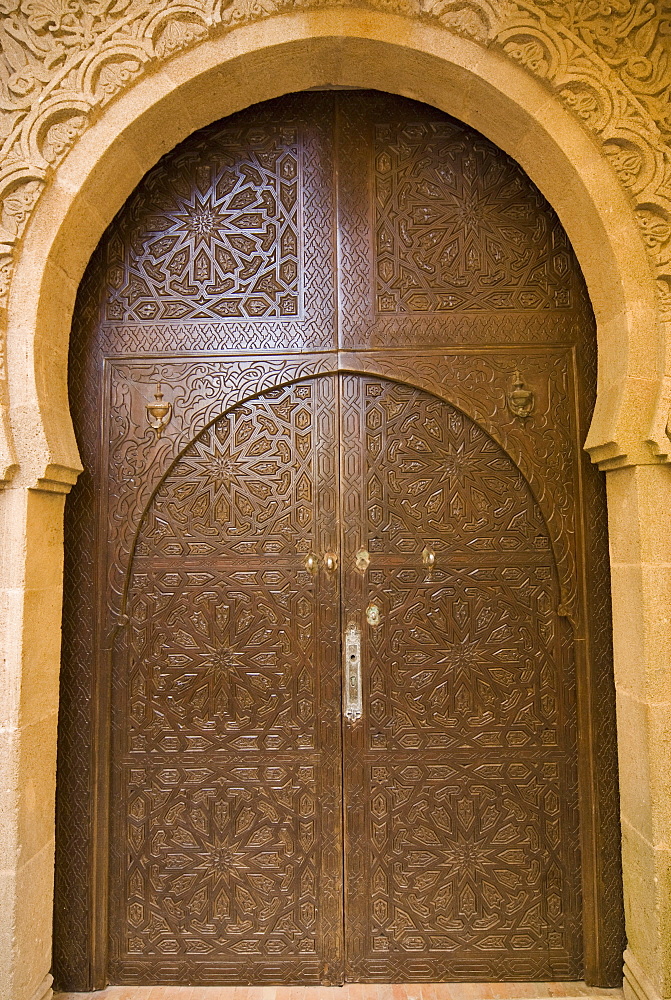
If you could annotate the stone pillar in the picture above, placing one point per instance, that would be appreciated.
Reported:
(31, 557)
(640, 542)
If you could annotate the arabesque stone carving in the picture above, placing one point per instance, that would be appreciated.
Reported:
(609, 63)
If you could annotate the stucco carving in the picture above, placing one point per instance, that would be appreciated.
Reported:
(608, 62)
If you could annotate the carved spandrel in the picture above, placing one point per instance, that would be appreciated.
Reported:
(458, 226)
(210, 252)
(219, 236)
(450, 239)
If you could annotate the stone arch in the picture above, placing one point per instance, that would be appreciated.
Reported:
(480, 86)
(334, 48)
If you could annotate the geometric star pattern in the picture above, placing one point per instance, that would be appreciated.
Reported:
(215, 233)
(459, 227)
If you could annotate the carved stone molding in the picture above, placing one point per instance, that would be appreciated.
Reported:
(44, 990)
(637, 986)
(63, 61)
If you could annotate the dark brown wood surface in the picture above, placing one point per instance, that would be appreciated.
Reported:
(460, 779)
(226, 846)
(335, 324)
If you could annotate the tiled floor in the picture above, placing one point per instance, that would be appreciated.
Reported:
(427, 991)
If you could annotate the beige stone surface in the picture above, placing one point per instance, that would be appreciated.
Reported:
(640, 542)
(30, 600)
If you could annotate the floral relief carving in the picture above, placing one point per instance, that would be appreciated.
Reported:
(61, 59)
(16, 208)
(609, 63)
(59, 137)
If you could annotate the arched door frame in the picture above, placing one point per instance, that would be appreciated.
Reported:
(298, 52)
(216, 78)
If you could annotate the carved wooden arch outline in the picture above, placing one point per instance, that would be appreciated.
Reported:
(219, 362)
(174, 510)
(439, 393)
(210, 421)
(516, 439)
(513, 31)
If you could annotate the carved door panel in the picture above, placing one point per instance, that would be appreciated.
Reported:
(245, 345)
(461, 850)
(460, 774)
(443, 238)
(226, 848)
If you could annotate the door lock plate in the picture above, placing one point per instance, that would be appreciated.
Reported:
(352, 673)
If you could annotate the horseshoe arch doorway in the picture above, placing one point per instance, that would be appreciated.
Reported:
(336, 632)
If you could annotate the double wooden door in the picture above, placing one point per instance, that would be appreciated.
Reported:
(348, 702)
(336, 636)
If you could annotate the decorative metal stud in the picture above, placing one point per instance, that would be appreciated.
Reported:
(330, 562)
(362, 560)
(428, 557)
(311, 563)
(373, 614)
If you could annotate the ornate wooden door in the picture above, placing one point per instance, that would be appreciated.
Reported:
(226, 848)
(328, 650)
(461, 850)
